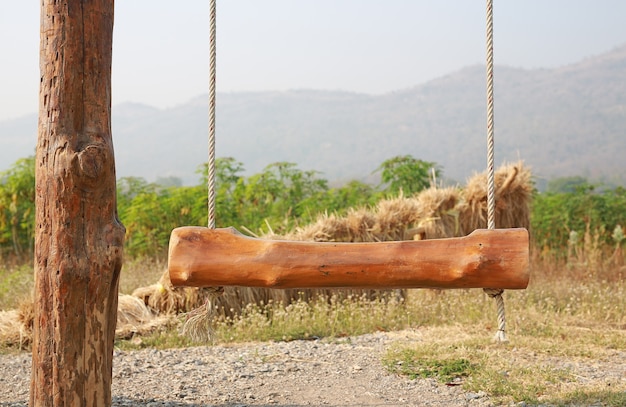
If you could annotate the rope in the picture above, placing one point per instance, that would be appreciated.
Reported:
(197, 325)
(212, 71)
(198, 321)
(491, 194)
(491, 201)
(496, 294)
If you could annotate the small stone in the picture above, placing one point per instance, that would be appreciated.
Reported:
(472, 396)
(136, 341)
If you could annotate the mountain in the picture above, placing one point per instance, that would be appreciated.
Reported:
(18, 139)
(562, 122)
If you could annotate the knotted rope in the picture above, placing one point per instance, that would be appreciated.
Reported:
(198, 323)
(491, 189)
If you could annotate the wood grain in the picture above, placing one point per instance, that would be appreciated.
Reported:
(224, 257)
(79, 238)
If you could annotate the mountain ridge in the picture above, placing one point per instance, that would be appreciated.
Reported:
(566, 121)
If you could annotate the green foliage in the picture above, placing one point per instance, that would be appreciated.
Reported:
(17, 208)
(556, 215)
(280, 197)
(407, 174)
(568, 185)
(228, 184)
(277, 196)
(151, 212)
(338, 200)
(283, 196)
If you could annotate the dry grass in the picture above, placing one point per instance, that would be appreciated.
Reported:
(16, 284)
(527, 369)
(12, 331)
(164, 298)
(140, 272)
(566, 332)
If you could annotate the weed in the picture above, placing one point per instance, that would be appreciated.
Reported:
(413, 364)
(605, 398)
(160, 339)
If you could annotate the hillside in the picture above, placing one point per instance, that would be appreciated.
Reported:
(562, 122)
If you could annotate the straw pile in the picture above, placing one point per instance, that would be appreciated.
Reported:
(133, 318)
(16, 325)
(11, 329)
(433, 213)
(163, 297)
(513, 194)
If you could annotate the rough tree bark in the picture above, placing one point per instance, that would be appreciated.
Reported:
(78, 242)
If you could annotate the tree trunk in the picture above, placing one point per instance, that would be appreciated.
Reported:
(79, 238)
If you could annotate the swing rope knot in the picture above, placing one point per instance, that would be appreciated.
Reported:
(198, 325)
(496, 294)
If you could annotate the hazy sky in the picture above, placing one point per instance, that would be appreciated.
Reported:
(160, 49)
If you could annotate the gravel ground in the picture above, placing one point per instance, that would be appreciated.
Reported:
(342, 372)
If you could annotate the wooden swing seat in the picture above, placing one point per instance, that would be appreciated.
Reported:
(204, 257)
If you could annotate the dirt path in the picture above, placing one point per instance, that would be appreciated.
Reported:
(327, 372)
(344, 372)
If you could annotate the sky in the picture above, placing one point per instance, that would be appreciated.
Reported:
(160, 51)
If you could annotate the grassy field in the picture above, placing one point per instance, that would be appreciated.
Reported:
(568, 324)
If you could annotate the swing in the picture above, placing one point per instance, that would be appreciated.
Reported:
(492, 259)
